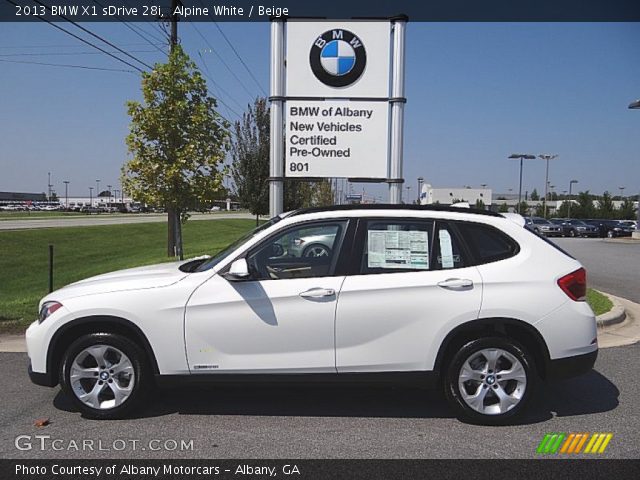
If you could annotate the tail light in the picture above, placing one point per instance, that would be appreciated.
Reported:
(575, 285)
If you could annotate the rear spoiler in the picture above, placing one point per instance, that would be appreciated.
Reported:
(515, 218)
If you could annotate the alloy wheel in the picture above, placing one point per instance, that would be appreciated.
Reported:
(492, 381)
(102, 377)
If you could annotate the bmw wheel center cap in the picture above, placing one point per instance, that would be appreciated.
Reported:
(338, 58)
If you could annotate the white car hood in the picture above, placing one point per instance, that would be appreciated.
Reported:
(152, 276)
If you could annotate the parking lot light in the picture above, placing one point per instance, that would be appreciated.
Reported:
(569, 208)
(546, 157)
(636, 106)
(521, 156)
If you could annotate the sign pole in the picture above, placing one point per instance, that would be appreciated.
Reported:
(397, 112)
(276, 154)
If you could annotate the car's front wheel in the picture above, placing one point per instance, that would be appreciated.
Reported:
(489, 381)
(105, 375)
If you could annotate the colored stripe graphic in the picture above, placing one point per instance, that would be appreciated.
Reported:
(572, 443)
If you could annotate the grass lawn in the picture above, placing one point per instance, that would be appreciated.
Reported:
(81, 252)
(599, 303)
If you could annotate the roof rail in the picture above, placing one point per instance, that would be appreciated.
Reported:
(386, 206)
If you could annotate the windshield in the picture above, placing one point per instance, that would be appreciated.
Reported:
(222, 254)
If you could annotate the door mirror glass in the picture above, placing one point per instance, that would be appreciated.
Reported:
(239, 270)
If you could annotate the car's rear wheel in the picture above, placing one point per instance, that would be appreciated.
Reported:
(610, 234)
(105, 375)
(572, 233)
(490, 380)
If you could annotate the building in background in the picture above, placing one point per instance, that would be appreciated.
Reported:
(448, 196)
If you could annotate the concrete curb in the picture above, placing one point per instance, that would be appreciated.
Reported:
(616, 315)
(620, 326)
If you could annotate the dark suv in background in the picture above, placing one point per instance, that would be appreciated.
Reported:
(572, 227)
(610, 228)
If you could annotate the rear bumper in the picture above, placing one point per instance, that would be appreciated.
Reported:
(571, 366)
(42, 379)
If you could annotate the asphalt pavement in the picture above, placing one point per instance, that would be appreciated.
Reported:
(613, 266)
(316, 422)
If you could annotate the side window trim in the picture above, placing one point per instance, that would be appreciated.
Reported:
(468, 258)
(344, 237)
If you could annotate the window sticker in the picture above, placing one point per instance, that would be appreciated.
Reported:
(446, 250)
(398, 249)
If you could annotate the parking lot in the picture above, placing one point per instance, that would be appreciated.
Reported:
(612, 265)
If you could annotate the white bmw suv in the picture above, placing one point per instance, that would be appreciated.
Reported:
(467, 300)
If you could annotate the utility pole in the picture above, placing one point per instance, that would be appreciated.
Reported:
(49, 187)
(174, 229)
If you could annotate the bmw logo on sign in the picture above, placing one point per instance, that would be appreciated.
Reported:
(338, 58)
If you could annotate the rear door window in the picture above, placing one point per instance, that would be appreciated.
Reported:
(487, 244)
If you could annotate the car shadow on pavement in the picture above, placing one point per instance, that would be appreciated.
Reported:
(588, 394)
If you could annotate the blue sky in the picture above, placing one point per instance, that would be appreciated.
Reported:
(476, 93)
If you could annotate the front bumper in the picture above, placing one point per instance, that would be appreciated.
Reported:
(568, 367)
(46, 379)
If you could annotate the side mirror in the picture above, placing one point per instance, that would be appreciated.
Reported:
(239, 270)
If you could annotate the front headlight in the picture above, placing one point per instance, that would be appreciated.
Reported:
(47, 309)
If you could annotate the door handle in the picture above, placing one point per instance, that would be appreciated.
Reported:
(456, 283)
(318, 293)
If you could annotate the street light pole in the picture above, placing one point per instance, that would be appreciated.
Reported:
(546, 157)
(521, 156)
(109, 189)
(97, 191)
(636, 106)
(570, 200)
(420, 182)
(621, 191)
(66, 193)
(90, 196)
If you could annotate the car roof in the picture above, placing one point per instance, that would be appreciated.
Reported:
(393, 207)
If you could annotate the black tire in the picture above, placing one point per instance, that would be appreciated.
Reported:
(452, 389)
(572, 233)
(610, 234)
(141, 374)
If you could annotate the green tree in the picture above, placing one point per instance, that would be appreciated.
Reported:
(250, 158)
(606, 208)
(627, 210)
(503, 208)
(534, 195)
(524, 209)
(480, 204)
(538, 210)
(177, 141)
(584, 208)
(563, 210)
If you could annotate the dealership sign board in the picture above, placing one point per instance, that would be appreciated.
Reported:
(336, 139)
(337, 88)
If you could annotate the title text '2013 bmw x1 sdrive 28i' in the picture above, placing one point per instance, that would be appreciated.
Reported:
(467, 300)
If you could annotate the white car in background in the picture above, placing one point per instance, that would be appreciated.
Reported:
(465, 299)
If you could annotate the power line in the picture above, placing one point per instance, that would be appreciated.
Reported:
(217, 85)
(96, 36)
(63, 46)
(235, 51)
(130, 27)
(221, 59)
(84, 41)
(57, 54)
(67, 66)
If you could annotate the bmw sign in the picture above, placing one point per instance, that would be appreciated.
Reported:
(338, 58)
